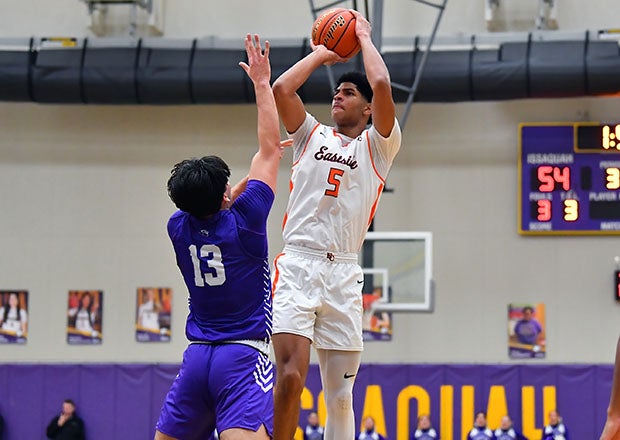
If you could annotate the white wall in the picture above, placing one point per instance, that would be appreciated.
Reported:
(83, 201)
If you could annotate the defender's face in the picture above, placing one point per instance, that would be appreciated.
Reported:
(227, 202)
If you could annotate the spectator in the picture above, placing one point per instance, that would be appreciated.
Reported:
(555, 430)
(480, 431)
(369, 433)
(507, 432)
(313, 431)
(425, 430)
(68, 425)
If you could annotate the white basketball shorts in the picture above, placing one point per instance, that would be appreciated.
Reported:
(318, 295)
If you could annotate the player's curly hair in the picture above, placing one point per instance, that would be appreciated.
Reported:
(360, 80)
(197, 186)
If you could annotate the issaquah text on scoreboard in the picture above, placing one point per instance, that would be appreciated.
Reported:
(564, 190)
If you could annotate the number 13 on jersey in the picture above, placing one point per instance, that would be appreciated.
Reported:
(213, 255)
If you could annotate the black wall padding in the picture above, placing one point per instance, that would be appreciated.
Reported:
(182, 72)
(55, 76)
(602, 67)
(446, 76)
(163, 75)
(217, 77)
(109, 75)
(500, 74)
(14, 65)
(557, 69)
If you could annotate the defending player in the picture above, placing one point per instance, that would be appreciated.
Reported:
(337, 178)
(219, 237)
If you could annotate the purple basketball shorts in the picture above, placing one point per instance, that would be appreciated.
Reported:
(219, 386)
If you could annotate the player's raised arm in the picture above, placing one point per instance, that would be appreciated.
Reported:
(383, 108)
(265, 163)
(290, 105)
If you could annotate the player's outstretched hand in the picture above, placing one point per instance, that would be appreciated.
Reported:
(258, 67)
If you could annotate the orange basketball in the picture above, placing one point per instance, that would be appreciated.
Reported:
(335, 29)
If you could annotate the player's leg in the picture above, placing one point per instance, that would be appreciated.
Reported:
(292, 359)
(294, 313)
(185, 413)
(339, 344)
(245, 434)
(338, 371)
(162, 436)
(244, 392)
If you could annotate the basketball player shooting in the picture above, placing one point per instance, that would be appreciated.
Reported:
(337, 178)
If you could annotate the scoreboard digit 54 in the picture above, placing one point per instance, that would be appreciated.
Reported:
(569, 178)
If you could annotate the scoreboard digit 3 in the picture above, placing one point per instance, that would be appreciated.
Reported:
(569, 179)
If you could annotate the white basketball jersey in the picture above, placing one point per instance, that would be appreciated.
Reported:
(336, 184)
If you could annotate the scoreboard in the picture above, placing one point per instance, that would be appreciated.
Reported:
(569, 179)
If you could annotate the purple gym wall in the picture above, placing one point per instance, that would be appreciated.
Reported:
(122, 401)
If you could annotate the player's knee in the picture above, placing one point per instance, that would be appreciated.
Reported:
(340, 402)
(289, 382)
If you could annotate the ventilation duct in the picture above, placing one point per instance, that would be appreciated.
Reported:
(195, 71)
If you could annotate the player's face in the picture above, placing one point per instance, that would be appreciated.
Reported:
(13, 300)
(505, 423)
(348, 104)
(227, 202)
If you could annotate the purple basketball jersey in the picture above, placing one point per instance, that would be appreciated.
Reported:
(224, 262)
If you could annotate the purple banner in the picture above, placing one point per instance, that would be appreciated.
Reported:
(123, 400)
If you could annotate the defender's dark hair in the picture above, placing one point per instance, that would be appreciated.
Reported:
(197, 186)
(360, 80)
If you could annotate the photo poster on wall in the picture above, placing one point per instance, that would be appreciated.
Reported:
(13, 316)
(526, 330)
(376, 325)
(84, 317)
(153, 312)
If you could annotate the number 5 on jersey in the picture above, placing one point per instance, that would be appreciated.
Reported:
(334, 179)
(213, 256)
